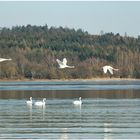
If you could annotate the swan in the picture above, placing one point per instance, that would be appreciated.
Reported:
(40, 103)
(109, 68)
(78, 102)
(63, 64)
(30, 101)
(4, 59)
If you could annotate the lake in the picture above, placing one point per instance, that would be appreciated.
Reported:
(110, 109)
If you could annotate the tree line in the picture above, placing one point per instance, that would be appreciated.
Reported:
(34, 50)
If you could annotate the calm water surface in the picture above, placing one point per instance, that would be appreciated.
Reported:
(110, 109)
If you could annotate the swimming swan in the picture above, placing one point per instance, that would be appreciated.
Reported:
(40, 103)
(78, 102)
(63, 64)
(4, 59)
(109, 68)
(30, 101)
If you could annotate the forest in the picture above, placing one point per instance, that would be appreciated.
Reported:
(34, 50)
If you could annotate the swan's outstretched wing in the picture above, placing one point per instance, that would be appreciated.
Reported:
(59, 62)
(110, 70)
(64, 61)
(105, 69)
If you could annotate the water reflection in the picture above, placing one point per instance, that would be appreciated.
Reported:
(43, 111)
(107, 131)
(78, 107)
(64, 135)
(29, 106)
(40, 111)
(71, 94)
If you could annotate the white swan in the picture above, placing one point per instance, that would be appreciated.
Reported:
(30, 101)
(40, 103)
(4, 59)
(63, 64)
(78, 102)
(109, 68)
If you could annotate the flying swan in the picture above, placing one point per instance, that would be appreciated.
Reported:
(110, 69)
(63, 64)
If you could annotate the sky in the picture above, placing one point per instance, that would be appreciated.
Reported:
(91, 16)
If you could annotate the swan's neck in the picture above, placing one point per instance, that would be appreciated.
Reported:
(70, 66)
(115, 69)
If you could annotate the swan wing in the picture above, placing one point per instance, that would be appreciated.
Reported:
(77, 102)
(105, 69)
(64, 61)
(29, 102)
(111, 71)
(38, 103)
(59, 62)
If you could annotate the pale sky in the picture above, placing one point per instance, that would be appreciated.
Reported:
(91, 16)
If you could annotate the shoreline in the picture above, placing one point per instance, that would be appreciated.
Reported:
(60, 80)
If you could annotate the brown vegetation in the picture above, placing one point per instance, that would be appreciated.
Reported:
(34, 50)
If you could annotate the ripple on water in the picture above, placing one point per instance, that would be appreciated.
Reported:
(96, 118)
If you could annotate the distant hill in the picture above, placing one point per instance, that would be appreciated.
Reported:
(34, 50)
